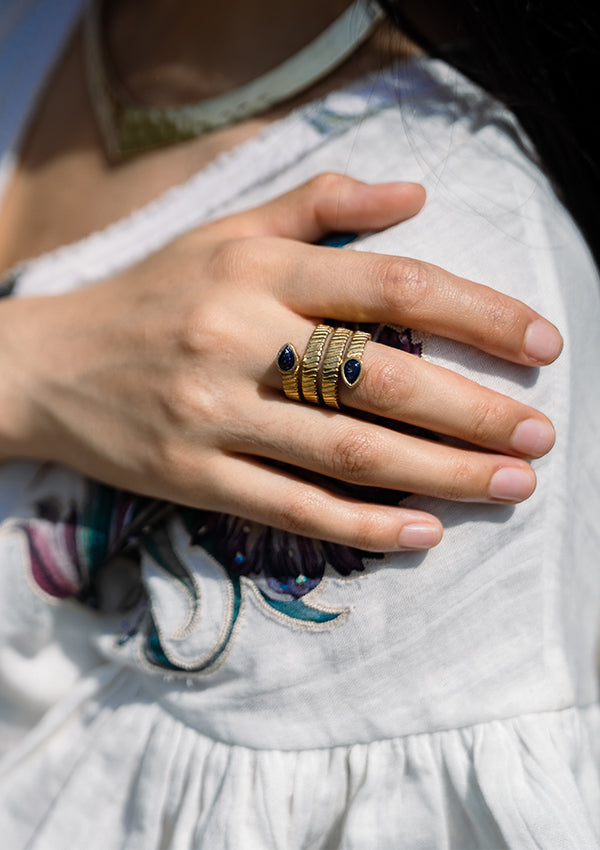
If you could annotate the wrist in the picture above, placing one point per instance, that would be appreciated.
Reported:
(17, 353)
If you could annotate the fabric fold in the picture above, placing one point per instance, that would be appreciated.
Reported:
(114, 769)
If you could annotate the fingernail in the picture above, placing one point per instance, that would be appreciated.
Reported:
(512, 484)
(419, 535)
(543, 343)
(532, 437)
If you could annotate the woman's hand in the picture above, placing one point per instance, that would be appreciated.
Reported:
(163, 380)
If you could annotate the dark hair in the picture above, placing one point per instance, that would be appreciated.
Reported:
(542, 59)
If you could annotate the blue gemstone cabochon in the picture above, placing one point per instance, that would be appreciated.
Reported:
(352, 371)
(287, 358)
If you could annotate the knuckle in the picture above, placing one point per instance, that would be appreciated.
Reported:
(352, 455)
(487, 422)
(251, 263)
(297, 514)
(370, 531)
(501, 315)
(403, 284)
(388, 385)
(303, 514)
(201, 330)
(184, 405)
(323, 198)
(326, 183)
(458, 484)
(237, 259)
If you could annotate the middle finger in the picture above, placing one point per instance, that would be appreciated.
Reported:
(405, 388)
(402, 387)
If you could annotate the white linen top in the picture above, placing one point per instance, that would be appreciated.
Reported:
(438, 700)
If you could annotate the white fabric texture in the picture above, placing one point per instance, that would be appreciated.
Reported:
(439, 700)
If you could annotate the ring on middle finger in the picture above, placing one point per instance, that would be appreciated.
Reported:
(352, 370)
(312, 361)
(330, 372)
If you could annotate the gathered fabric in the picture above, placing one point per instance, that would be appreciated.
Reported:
(113, 769)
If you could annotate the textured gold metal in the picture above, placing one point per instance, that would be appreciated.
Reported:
(312, 361)
(330, 372)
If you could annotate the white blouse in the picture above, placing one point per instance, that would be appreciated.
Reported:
(244, 688)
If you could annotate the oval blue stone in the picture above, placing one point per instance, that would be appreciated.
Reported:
(352, 371)
(287, 358)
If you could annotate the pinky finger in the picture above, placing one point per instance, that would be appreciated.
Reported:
(275, 497)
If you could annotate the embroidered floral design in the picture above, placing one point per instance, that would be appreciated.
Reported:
(67, 543)
(187, 554)
(289, 565)
(285, 565)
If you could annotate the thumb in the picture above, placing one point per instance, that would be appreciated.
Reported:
(328, 203)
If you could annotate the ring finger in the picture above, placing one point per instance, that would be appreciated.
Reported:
(345, 448)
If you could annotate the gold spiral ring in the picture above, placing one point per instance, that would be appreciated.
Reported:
(352, 368)
(311, 362)
(331, 366)
(330, 354)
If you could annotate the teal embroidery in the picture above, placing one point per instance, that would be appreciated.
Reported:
(72, 545)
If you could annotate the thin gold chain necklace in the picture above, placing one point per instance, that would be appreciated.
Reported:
(128, 128)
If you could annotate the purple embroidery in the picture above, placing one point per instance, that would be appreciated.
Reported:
(71, 545)
(292, 565)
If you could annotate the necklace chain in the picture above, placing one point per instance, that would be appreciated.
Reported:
(128, 128)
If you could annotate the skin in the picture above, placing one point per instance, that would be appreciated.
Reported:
(145, 404)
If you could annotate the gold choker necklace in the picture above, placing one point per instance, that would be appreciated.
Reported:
(128, 128)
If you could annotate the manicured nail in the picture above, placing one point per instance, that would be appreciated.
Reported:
(532, 437)
(512, 484)
(419, 535)
(543, 343)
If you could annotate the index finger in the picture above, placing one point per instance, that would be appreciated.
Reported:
(356, 286)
